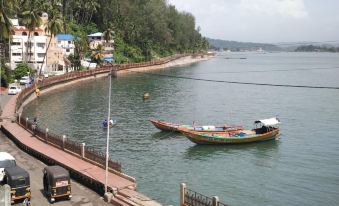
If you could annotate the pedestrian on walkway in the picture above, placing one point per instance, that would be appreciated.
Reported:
(34, 125)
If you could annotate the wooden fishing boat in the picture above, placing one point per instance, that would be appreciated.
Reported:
(264, 130)
(167, 126)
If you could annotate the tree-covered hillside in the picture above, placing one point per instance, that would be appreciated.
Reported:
(236, 46)
(143, 29)
(313, 48)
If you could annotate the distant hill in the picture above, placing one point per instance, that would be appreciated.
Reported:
(240, 46)
(312, 48)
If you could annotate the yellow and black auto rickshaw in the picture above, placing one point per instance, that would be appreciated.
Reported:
(18, 179)
(57, 183)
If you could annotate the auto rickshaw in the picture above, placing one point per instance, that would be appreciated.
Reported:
(57, 183)
(18, 179)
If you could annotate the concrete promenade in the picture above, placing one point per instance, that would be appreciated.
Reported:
(87, 173)
(125, 188)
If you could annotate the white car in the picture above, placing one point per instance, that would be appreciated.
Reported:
(25, 80)
(14, 90)
(6, 160)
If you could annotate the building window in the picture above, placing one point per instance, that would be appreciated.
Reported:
(24, 33)
(16, 43)
(41, 55)
(36, 34)
(42, 45)
(69, 42)
(16, 54)
(67, 50)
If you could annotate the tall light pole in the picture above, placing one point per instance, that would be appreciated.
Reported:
(108, 121)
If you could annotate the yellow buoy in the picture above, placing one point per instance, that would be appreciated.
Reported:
(146, 95)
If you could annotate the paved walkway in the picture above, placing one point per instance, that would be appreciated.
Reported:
(73, 162)
(81, 195)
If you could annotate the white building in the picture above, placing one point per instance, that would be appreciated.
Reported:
(98, 38)
(20, 51)
(66, 42)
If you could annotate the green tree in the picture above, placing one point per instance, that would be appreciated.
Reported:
(7, 10)
(5, 74)
(97, 55)
(22, 70)
(53, 27)
(31, 20)
(108, 35)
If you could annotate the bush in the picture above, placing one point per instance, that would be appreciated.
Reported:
(5, 74)
(22, 70)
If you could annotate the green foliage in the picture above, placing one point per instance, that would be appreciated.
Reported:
(312, 48)
(143, 29)
(5, 73)
(22, 70)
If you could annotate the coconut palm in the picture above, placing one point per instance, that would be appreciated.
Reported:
(53, 27)
(31, 20)
(97, 55)
(108, 34)
(7, 8)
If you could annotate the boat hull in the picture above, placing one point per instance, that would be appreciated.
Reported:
(201, 138)
(171, 127)
(165, 126)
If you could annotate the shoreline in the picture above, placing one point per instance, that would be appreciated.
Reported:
(180, 62)
(60, 83)
(183, 61)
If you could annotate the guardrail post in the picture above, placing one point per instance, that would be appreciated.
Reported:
(63, 141)
(182, 193)
(215, 201)
(26, 122)
(46, 135)
(83, 150)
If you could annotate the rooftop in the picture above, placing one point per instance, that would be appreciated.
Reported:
(95, 34)
(65, 36)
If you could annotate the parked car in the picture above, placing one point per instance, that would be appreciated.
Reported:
(57, 183)
(14, 90)
(18, 179)
(6, 161)
(25, 80)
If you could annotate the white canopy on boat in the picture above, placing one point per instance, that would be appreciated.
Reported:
(269, 122)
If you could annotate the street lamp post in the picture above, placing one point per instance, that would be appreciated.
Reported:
(108, 119)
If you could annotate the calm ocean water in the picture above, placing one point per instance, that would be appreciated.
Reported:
(301, 168)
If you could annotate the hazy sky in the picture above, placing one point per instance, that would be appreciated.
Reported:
(265, 20)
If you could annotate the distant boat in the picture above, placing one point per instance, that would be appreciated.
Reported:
(173, 127)
(263, 131)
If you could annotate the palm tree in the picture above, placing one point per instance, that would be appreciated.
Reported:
(7, 8)
(53, 27)
(31, 20)
(97, 55)
(108, 36)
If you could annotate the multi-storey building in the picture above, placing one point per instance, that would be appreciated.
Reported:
(66, 42)
(32, 50)
(98, 39)
(28, 49)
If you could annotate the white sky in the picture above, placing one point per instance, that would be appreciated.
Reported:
(265, 20)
